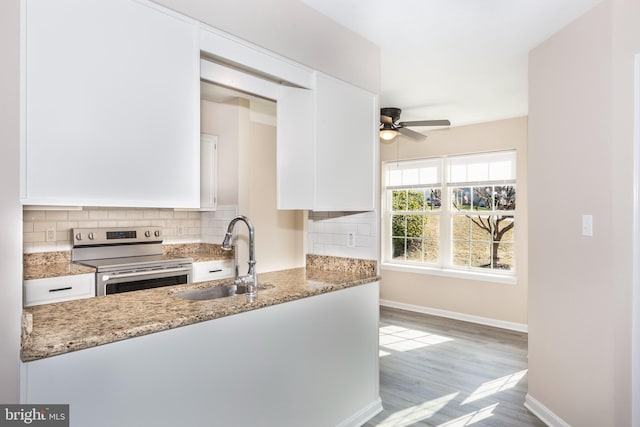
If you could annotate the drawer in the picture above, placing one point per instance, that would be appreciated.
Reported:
(213, 270)
(56, 289)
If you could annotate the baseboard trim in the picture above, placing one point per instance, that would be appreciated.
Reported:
(545, 414)
(519, 327)
(363, 415)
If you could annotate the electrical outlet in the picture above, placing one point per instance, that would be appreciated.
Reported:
(351, 239)
(180, 230)
(50, 235)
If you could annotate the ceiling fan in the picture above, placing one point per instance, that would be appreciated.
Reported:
(390, 125)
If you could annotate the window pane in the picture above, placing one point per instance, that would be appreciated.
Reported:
(398, 226)
(482, 197)
(414, 249)
(431, 227)
(433, 199)
(414, 225)
(505, 198)
(504, 226)
(481, 228)
(431, 251)
(398, 248)
(460, 227)
(460, 253)
(399, 200)
(461, 198)
(415, 200)
(481, 254)
(504, 258)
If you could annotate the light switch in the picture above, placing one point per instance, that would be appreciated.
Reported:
(587, 225)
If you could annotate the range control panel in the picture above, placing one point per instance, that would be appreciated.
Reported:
(115, 236)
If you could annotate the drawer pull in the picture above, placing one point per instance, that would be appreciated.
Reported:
(215, 271)
(61, 289)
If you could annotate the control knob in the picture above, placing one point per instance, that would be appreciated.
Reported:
(90, 236)
(147, 233)
(157, 233)
(78, 236)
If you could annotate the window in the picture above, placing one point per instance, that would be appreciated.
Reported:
(452, 213)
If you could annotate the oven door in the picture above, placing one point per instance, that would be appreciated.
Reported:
(108, 283)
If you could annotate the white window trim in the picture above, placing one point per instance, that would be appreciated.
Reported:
(442, 269)
(446, 272)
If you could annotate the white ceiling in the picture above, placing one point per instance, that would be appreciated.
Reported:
(463, 60)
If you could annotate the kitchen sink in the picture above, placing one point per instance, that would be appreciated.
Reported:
(215, 292)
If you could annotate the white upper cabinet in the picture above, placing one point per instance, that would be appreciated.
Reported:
(345, 146)
(110, 96)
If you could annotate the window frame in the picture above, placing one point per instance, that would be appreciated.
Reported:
(446, 213)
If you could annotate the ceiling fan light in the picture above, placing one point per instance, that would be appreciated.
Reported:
(388, 132)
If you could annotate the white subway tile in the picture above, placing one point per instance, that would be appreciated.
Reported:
(57, 215)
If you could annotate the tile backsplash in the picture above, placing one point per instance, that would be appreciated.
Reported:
(178, 226)
(328, 234)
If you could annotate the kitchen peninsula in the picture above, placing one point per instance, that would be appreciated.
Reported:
(303, 352)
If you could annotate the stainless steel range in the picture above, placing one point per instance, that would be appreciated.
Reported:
(128, 259)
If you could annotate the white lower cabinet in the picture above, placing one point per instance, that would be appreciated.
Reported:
(213, 270)
(289, 364)
(56, 289)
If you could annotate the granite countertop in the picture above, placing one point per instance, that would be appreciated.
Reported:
(54, 264)
(51, 264)
(59, 328)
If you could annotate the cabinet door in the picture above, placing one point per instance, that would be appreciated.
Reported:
(208, 171)
(111, 104)
(345, 147)
(295, 156)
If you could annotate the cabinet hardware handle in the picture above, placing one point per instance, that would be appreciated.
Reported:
(61, 289)
(215, 271)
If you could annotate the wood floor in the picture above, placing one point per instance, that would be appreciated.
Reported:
(442, 372)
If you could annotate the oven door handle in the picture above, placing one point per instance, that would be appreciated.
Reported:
(106, 277)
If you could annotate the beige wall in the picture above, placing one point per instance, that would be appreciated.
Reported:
(279, 233)
(502, 302)
(10, 209)
(580, 288)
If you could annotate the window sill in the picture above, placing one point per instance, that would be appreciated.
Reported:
(458, 274)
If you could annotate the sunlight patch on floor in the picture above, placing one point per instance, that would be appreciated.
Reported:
(414, 414)
(403, 339)
(471, 418)
(495, 386)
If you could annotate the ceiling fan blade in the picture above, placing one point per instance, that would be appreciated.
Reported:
(426, 123)
(386, 119)
(412, 134)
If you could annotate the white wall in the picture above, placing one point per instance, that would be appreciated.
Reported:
(293, 30)
(580, 288)
(489, 302)
(10, 209)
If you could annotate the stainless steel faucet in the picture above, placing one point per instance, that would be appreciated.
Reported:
(250, 280)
